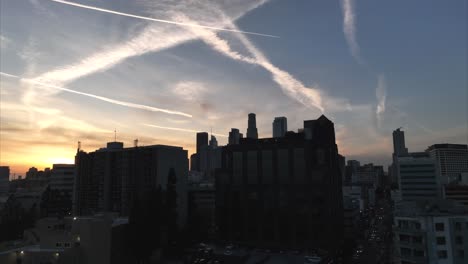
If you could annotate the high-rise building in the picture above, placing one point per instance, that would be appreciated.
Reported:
(4, 180)
(110, 179)
(431, 232)
(202, 140)
(418, 177)
(252, 127)
(234, 136)
(282, 191)
(280, 127)
(62, 177)
(213, 142)
(451, 161)
(399, 147)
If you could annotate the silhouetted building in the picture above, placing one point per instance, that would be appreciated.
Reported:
(4, 180)
(252, 127)
(399, 147)
(110, 179)
(282, 191)
(351, 171)
(280, 127)
(451, 161)
(201, 210)
(209, 158)
(202, 140)
(234, 136)
(62, 177)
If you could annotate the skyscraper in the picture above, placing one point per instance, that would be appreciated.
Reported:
(202, 140)
(280, 127)
(399, 148)
(252, 127)
(234, 136)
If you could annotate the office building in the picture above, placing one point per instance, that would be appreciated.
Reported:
(418, 177)
(351, 172)
(234, 136)
(252, 127)
(399, 147)
(451, 161)
(283, 192)
(62, 177)
(4, 180)
(202, 140)
(110, 179)
(280, 127)
(456, 192)
(430, 232)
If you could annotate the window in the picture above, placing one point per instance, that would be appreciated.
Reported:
(418, 253)
(417, 240)
(439, 226)
(440, 240)
(417, 225)
(404, 238)
(67, 245)
(442, 254)
(459, 240)
(405, 252)
(58, 244)
(458, 226)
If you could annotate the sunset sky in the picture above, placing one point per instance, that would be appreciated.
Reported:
(159, 70)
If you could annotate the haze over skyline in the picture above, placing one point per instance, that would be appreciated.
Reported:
(75, 73)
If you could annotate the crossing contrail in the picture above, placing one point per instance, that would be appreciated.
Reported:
(181, 129)
(160, 20)
(105, 99)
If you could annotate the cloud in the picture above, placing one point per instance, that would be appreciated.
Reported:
(188, 90)
(102, 98)
(381, 94)
(160, 20)
(4, 42)
(349, 28)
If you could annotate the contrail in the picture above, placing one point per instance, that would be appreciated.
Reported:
(105, 99)
(181, 129)
(381, 94)
(349, 28)
(159, 20)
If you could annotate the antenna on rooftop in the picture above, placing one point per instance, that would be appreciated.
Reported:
(115, 135)
(135, 143)
(79, 145)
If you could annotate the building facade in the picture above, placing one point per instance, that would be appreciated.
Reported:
(451, 161)
(280, 127)
(282, 191)
(431, 232)
(4, 180)
(418, 177)
(110, 179)
(62, 177)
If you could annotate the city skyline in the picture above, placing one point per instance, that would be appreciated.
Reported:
(78, 73)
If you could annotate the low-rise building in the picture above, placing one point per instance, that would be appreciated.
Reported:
(431, 232)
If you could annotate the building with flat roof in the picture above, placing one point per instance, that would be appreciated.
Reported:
(451, 160)
(283, 192)
(110, 179)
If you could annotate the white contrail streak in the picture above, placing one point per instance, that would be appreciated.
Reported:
(290, 86)
(105, 99)
(349, 28)
(159, 20)
(181, 129)
(381, 94)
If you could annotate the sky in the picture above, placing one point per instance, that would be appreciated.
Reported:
(158, 71)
